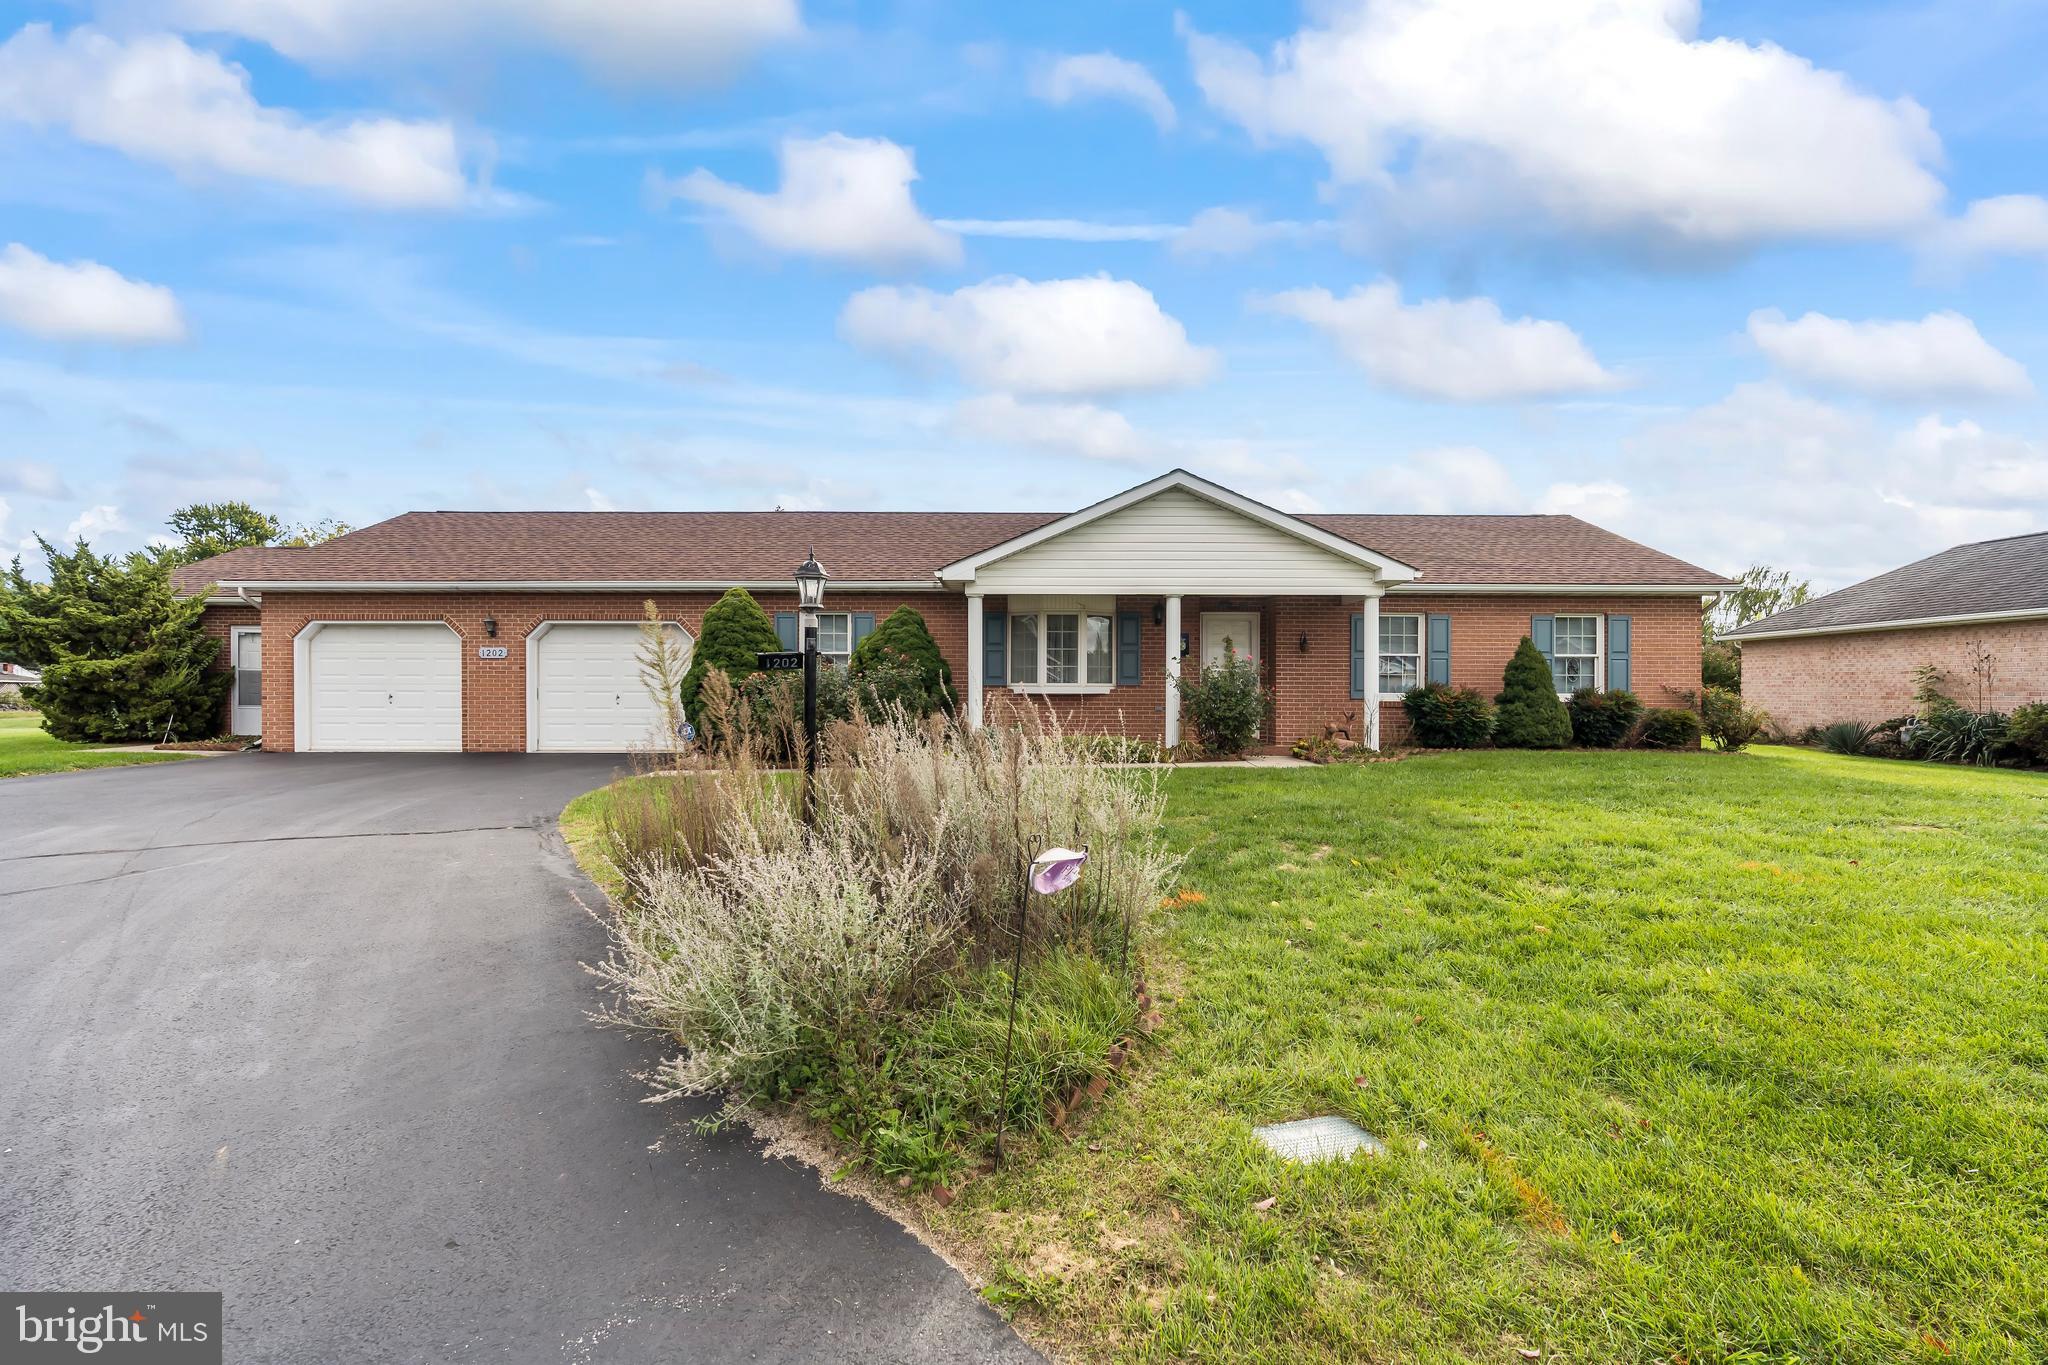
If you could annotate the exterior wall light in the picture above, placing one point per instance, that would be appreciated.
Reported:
(491, 626)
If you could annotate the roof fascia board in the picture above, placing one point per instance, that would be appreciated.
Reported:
(1389, 569)
(1902, 623)
(1568, 589)
(571, 585)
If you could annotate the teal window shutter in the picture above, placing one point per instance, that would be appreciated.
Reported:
(1543, 632)
(1439, 669)
(863, 626)
(1358, 657)
(1130, 652)
(1619, 629)
(785, 628)
(993, 666)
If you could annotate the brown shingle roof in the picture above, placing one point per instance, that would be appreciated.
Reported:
(2010, 574)
(250, 562)
(763, 547)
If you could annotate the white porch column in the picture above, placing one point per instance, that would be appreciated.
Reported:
(1371, 630)
(1172, 671)
(976, 664)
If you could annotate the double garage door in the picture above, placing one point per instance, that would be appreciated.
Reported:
(395, 688)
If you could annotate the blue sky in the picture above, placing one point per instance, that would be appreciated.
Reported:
(1747, 281)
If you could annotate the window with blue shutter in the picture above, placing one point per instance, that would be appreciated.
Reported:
(1543, 631)
(994, 672)
(1130, 651)
(863, 626)
(1358, 656)
(785, 629)
(1439, 669)
(1618, 632)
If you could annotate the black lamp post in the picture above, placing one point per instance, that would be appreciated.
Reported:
(810, 595)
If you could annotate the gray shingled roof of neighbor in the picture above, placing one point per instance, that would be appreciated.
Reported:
(1987, 577)
(764, 547)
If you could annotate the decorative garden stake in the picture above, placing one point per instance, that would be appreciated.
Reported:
(1050, 873)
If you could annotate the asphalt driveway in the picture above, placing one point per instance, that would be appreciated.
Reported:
(310, 1030)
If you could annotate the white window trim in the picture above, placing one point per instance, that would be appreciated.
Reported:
(1421, 651)
(1599, 620)
(825, 654)
(1072, 689)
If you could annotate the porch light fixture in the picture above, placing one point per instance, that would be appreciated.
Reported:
(1159, 613)
(810, 582)
(1304, 642)
(491, 626)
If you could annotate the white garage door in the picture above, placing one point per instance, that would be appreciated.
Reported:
(384, 687)
(588, 696)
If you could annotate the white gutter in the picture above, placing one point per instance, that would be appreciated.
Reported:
(1908, 623)
(559, 585)
(1567, 589)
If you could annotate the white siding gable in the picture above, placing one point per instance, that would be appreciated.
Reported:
(1175, 542)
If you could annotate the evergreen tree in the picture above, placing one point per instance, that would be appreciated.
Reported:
(1530, 716)
(122, 656)
(905, 635)
(735, 630)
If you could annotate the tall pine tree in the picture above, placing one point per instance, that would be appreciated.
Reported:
(122, 656)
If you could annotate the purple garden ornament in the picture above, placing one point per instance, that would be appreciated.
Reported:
(1056, 869)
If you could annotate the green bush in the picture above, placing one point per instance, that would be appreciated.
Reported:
(1601, 720)
(734, 631)
(883, 680)
(1721, 666)
(1956, 734)
(904, 635)
(2026, 734)
(1852, 737)
(1224, 704)
(1666, 729)
(1729, 723)
(1445, 717)
(1530, 715)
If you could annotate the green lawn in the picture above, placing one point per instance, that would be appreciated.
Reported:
(25, 749)
(1702, 1057)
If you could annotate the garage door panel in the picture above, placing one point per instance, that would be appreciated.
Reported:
(385, 687)
(588, 694)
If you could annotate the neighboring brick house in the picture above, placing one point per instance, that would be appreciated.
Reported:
(1978, 612)
(511, 631)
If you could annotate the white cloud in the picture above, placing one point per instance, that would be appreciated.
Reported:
(1449, 479)
(1604, 116)
(94, 521)
(1602, 502)
(1083, 429)
(1941, 354)
(1971, 466)
(1104, 75)
(1463, 350)
(83, 301)
(2006, 225)
(841, 199)
(667, 41)
(1073, 337)
(157, 99)
(37, 478)
(1060, 229)
(1227, 231)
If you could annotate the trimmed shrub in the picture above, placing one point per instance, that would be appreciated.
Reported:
(885, 681)
(1224, 704)
(1445, 717)
(1601, 720)
(2026, 734)
(1530, 715)
(1851, 737)
(1666, 729)
(734, 631)
(904, 636)
(1727, 722)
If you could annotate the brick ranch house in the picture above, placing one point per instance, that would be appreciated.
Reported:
(1851, 655)
(517, 631)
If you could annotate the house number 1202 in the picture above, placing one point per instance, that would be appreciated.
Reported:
(490, 651)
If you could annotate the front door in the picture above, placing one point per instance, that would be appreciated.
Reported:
(246, 701)
(1238, 629)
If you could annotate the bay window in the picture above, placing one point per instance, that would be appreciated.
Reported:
(1575, 653)
(1400, 653)
(1061, 650)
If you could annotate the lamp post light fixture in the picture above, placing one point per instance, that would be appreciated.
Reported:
(810, 595)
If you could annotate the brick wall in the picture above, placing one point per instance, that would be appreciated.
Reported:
(1819, 679)
(494, 690)
(218, 621)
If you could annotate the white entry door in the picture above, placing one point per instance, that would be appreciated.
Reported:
(246, 702)
(384, 687)
(588, 696)
(1240, 628)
